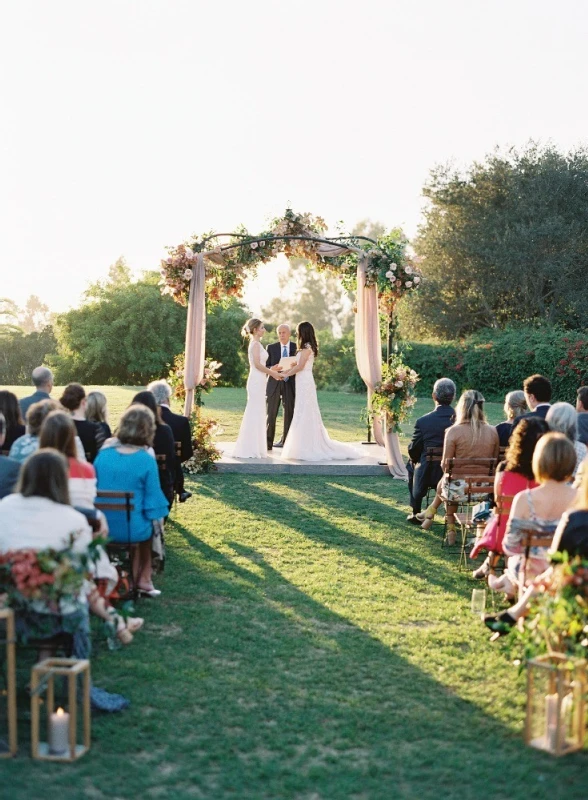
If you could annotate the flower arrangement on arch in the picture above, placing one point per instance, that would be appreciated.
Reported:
(394, 396)
(210, 379)
(390, 267)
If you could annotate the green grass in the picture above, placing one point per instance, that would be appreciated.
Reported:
(309, 644)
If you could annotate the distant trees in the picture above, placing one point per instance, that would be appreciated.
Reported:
(26, 338)
(506, 241)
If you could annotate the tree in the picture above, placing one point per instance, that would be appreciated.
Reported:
(507, 241)
(224, 341)
(20, 353)
(35, 316)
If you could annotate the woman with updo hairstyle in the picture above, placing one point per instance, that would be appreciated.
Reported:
(252, 439)
(515, 406)
(90, 433)
(469, 438)
(128, 467)
(14, 423)
(97, 411)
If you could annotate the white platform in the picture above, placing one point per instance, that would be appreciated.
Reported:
(276, 465)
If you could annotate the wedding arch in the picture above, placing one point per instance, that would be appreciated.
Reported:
(214, 266)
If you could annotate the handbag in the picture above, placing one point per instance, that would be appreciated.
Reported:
(481, 511)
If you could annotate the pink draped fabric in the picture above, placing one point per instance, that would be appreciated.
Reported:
(195, 333)
(368, 354)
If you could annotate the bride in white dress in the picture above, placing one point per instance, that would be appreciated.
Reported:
(252, 439)
(307, 438)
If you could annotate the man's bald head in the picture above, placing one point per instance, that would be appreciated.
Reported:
(43, 379)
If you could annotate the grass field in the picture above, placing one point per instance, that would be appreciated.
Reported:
(309, 644)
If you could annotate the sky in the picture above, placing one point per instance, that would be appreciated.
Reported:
(129, 125)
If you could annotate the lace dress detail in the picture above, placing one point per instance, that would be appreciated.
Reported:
(252, 439)
(307, 438)
(538, 556)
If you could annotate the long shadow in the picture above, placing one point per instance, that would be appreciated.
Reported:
(288, 513)
(294, 700)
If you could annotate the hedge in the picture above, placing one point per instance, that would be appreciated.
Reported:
(497, 361)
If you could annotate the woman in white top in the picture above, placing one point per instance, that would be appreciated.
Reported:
(38, 517)
(252, 439)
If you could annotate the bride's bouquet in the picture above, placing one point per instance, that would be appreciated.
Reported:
(394, 395)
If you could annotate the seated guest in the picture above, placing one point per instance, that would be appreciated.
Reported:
(515, 406)
(27, 444)
(537, 389)
(470, 437)
(429, 431)
(180, 426)
(42, 378)
(540, 508)
(96, 411)
(513, 475)
(582, 409)
(563, 418)
(163, 444)
(38, 516)
(571, 537)
(13, 421)
(9, 467)
(90, 433)
(58, 432)
(128, 467)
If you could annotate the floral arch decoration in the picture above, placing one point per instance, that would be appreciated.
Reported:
(215, 266)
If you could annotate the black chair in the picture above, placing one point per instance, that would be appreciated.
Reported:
(121, 552)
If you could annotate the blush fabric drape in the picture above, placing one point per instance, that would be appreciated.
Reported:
(195, 333)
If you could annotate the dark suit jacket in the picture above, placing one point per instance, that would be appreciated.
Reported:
(275, 354)
(9, 469)
(583, 426)
(540, 411)
(429, 431)
(181, 430)
(32, 398)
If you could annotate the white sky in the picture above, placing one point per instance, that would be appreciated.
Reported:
(127, 125)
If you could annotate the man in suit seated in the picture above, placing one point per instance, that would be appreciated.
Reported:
(537, 389)
(429, 431)
(42, 378)
(9, 467)
(582, 409)
(180, 426)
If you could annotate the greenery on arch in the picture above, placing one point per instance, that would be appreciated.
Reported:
(232, 258)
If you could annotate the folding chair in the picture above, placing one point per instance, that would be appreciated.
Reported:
(478, 488)
(110, 501)
(532, 537)
(485, 469)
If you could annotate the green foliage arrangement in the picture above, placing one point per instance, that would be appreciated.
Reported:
(497, 361)
(394, 395)
(504, 241)
(206, 453)
(557, 621)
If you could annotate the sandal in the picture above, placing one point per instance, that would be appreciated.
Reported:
(500, 624)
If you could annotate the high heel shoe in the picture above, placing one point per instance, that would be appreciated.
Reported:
(500, 624)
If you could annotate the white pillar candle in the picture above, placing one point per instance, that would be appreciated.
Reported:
(59, 732)
(551, 720)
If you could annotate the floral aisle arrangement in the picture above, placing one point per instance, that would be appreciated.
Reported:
(557, 621)
(394, 396)
(228, 263)
(206, 453)
(209, 381)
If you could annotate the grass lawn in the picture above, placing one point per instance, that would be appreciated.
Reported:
(309, 644)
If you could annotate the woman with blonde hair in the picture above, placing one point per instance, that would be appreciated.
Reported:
(252, 439)
(97, 411)
(468, 439)
(515, 406)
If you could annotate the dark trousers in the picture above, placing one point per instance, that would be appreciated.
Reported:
(179, 477)
(284, 394)
(416, 503)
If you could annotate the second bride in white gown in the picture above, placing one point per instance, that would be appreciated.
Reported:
(307, 438)
(252, 439)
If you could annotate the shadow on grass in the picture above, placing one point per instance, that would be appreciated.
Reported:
(273, 507)
(297, 701)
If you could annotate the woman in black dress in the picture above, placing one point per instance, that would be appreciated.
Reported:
(163, 445)
(90, 433)
(15, 427)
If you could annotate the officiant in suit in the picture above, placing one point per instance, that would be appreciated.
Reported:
(280, 391)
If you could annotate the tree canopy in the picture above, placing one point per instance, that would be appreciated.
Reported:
(506, 241)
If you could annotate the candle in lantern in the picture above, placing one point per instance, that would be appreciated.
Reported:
(551, 720)
(58, 732)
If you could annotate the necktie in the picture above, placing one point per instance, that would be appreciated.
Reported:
(285, 355)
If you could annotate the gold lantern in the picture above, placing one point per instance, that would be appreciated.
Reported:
(62, 722)
(9, 747)
(556, 688)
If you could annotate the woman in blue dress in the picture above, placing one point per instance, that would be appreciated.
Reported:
(128, 466)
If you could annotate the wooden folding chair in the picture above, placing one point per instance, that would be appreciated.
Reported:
(532, 537)
(461, 469)
(111, 501)
(432, 456)
(478, 489)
